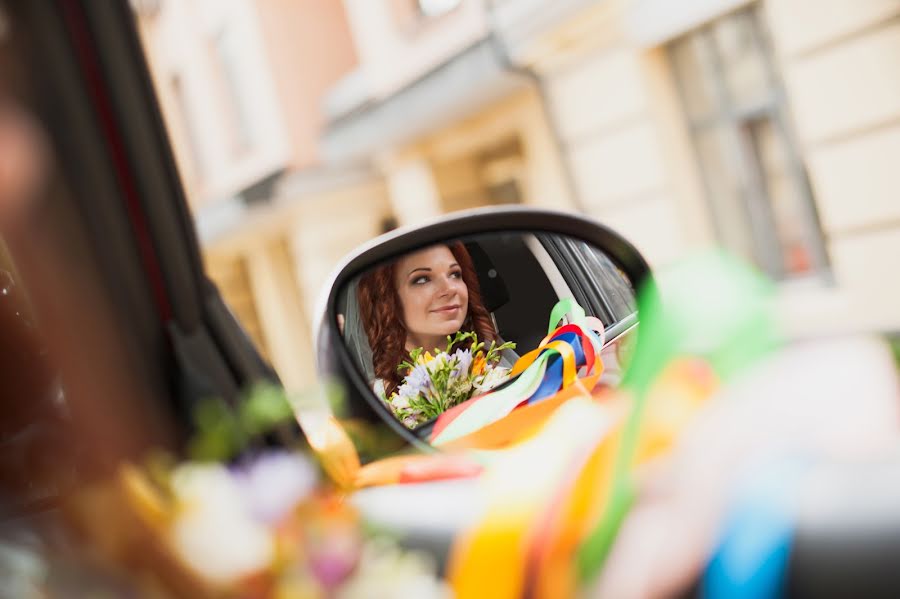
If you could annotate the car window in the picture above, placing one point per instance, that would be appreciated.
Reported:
(616, 288)
(596, 282)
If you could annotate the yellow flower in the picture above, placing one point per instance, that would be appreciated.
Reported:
(478, 364)
(425, 358)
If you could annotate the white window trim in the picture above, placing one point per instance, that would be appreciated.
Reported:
(650, 23)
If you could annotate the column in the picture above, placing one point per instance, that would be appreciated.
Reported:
(282, 317)
(413, 190)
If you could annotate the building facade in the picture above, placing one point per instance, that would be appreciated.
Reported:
(240, 84)
(767, 127)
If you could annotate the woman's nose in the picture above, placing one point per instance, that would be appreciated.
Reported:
(447, 287)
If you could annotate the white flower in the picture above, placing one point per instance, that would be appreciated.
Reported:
(493, 377)
(438, 362)
(400, 402)
(214, 532)
(386, 572)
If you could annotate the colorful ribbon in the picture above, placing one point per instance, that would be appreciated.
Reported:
(751, 559)
(680, 392)
(492, 559)
(416, 469)
(720, 311)
(541, 374)
(522, 423)
(558, 502)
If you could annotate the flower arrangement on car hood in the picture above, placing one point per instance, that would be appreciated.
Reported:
(436, 382)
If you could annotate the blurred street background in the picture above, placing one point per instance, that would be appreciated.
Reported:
(303, 128)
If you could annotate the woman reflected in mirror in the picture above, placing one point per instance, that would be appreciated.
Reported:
(416, 302)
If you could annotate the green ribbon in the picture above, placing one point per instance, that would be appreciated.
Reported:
(567, 305)
(716, 308)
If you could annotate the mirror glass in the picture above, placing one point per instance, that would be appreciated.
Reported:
(509, 320)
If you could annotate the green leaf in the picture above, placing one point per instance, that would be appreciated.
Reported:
(264, 409)
(218, 435)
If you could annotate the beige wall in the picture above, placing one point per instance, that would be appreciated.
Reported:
(308, 48)
(286, 55)
(451, 169)
(841, 65)
(272, 271)
(393, 52)
(412, 187)
(230, 275)
(625, 139)
(286, 325)
(614, 106)
(180, 42)
(327, 228)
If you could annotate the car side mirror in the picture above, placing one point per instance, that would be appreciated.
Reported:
(461, 330)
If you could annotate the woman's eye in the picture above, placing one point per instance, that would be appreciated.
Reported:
(420, 280)
(456, 275)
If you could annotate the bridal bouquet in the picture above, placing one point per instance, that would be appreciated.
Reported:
(436, 383)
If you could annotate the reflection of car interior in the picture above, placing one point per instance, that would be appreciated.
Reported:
(516, 291)
(522, 276)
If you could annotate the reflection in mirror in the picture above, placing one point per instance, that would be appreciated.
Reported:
(455, 337)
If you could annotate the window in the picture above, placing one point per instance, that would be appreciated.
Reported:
(596, 282)
(227, 61)
(501, 171)
(756, 183)
(608, 281)
(188, 125)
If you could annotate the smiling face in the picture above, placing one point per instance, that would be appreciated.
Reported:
(432, 294)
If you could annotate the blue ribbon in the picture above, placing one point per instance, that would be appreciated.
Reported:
(553, 376)
(752, 557)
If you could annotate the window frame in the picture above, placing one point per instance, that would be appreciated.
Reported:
(586, 290)
(733, 117)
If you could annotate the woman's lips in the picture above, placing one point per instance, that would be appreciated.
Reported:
(447, 309)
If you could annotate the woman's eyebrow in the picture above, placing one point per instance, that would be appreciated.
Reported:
(419, 268)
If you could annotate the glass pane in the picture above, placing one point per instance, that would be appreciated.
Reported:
(743, 61)
(793, 222)
(694, 67)
(617, 290)
(719, 165)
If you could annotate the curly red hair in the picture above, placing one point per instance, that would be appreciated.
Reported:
(382, 316)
